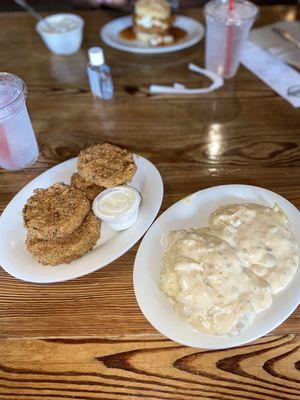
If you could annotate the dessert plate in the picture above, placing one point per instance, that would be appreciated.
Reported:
(110, 34)
(18, 262)
(193, 212)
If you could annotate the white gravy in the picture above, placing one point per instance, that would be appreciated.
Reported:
(209, 285)
(263, 240)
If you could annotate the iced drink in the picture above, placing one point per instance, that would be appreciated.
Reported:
(18, 146)
(226, 33)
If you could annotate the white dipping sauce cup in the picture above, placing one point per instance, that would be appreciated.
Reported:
(119, 222)
(62, 43)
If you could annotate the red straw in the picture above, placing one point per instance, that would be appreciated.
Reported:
(229, 41)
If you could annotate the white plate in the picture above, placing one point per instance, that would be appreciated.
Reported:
(194, 212)
(17, 261)
(110, 34)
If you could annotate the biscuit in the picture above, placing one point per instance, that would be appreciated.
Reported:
(55, 212)
(90, 190)
(159, 9)
(106, 165)
(68, 249)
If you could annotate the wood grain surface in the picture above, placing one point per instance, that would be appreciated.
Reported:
(87, 339)
(148, 367)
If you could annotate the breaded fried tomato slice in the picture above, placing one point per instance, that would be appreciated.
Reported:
(53, 252)
(106, 165)
(90, 190)
(55, 212)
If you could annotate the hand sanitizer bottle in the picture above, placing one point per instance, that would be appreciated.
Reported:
(99, 75)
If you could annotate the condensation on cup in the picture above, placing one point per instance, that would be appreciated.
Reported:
(18, 146)
(226, 34)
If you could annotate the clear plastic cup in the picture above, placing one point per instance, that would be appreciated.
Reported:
(18, 146)
(226, 34)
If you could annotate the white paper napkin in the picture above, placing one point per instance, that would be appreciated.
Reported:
(279, 76)
(267, 38)
(178, 88)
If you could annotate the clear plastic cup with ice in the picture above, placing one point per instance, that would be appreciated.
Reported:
(18, 146)
(227, 29)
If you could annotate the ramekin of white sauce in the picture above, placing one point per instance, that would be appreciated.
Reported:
(118, 207)
(63, 35)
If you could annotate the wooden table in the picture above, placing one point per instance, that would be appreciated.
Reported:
(87, 339)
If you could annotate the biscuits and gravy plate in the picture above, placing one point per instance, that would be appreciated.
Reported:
(48, 231)
(220, 268)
